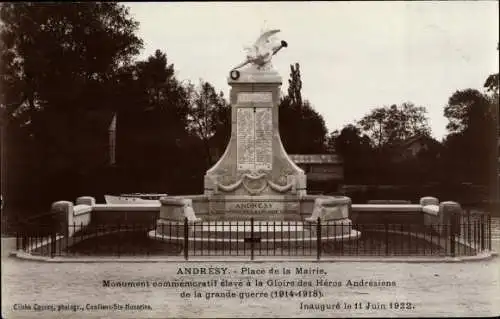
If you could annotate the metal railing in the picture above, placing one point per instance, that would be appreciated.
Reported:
(467, 236)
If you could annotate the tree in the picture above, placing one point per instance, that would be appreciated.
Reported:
(387, 126)
(220, 139)
(152, 125)
(208, 112)
(467, 109)
(58, 63)
(302, 129)
(374, 124)
(356, 151)
(471, 145)
(295, 85)
(350, 141)
(492, 84)
(470, 140)
(55, 53)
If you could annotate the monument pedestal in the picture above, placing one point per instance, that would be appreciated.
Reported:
(255, 163)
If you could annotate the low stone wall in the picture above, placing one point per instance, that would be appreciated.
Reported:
(442, 217)
(310, 204)
(123, 214)
(428, 212)
(387, 213)
(199, 204)
(329, 208)
(72, 217)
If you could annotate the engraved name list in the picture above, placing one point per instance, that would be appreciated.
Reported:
(254, 132)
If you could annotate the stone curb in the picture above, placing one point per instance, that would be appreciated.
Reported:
(179, 259)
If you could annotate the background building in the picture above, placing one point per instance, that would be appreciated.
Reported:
(325, 172)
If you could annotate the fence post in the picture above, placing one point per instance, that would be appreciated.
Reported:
(318, 244)
(482, 232)
(450, 212)
(186, 238)
(251, 239)
(452, 240)
(119, 239)
(489, 232)
(386, 238)
(53, 245)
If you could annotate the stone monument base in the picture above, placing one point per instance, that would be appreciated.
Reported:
(225, 222)
(233, 235)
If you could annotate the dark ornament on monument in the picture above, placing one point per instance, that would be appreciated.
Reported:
(235, 74)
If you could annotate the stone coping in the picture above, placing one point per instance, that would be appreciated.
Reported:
(174, 201)
(194, 198)
(431, 209)
(81, 209)
(353, 235)
(332, 201)
(126, 207)
(403, 208)
(257, 198)
(342, 199)
(257, 259)
(286, 197)
(328, 200)
(252, 75)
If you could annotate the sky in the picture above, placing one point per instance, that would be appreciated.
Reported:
(354, 56)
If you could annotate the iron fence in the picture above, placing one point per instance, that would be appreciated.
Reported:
(467, 236)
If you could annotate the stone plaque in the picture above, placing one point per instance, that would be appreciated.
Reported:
(263, 138)
(254, 139)
(255, 97)
(255, 207)
(245, 138)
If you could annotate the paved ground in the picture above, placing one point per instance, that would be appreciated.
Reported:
(433, 289)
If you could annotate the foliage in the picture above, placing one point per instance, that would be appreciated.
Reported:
(389, 125)
(152, 124)
(59, 61)
(467, 109)
(295, 85)
(356, 151)
(350, 142)
(56, 53)
(208, 114)
(302, 129)
(471, 138)
(471, 147)
(492, 83)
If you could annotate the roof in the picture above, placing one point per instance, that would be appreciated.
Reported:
(413, 139)
(315, 158)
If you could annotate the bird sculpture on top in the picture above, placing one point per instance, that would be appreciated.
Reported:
(261, 53)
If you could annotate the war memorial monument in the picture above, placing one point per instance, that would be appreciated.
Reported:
(255, 179)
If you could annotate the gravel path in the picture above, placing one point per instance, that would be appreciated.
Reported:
(433, 289)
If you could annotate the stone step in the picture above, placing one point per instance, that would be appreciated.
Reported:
(263, 241)
(241, 245)
(244, 230)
